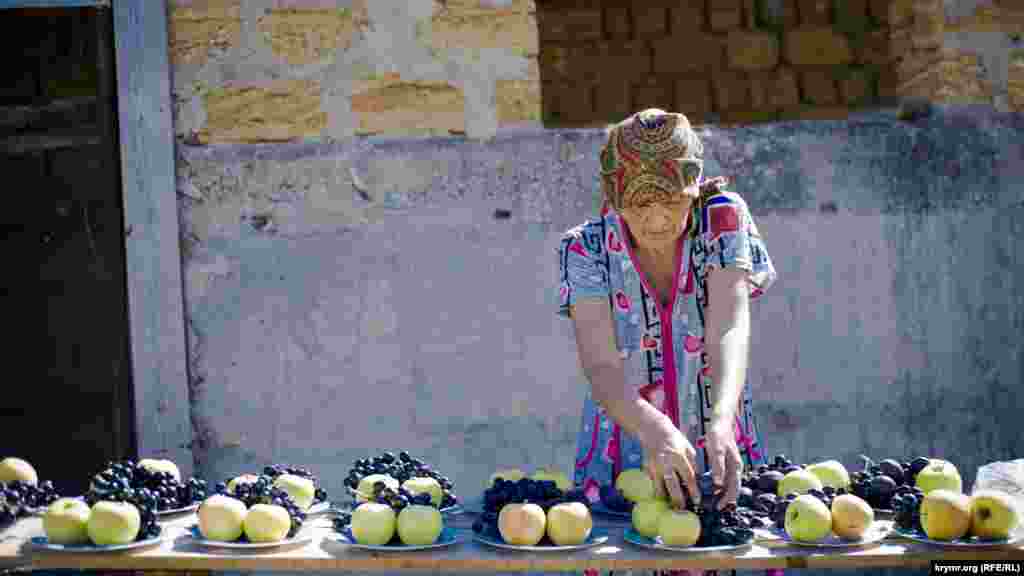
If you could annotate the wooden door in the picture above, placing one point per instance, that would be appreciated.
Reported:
(67, 403)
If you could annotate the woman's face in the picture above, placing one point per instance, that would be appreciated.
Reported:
(657, 219)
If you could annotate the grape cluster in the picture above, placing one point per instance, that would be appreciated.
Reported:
(907, 504)
(614, 500)
(401, 467)
(276, 470)
(146, 500)
(878, 483)
(19, 499)
(728, 527)
(162, 489)
(544, 493)
(263, 491)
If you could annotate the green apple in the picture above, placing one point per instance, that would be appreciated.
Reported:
(426, 484)
(66, 521)
(366, 485)
(510, 474)
(798, 482)
(831, 473)
(569, 523)
(946, 514)
(635, 484)
(301, 489)
(112, 523)
(373, 523)
(994, 515)
(522, 524)
(679, 528)
(242, 479)
(939, 474)
(161, 465)
(647, 515)
(560, 479)
(419, 525)
(266, 523)
(12, 469)
(221, 518)
(808, 519)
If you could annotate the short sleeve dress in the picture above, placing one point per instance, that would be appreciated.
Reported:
(662, 347)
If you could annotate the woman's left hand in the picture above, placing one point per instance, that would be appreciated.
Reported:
(726, 462)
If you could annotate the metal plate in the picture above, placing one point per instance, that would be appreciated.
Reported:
(597, 536)
(191, 508)
(197, 537)
(634, 537)
(876, 533)
(447, 537)
(972, 542)
(320, 507)
(43, 543)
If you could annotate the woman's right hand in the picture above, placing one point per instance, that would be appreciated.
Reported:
(670, 459)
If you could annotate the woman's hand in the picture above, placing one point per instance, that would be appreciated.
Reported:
(726, 462)
(669, 457)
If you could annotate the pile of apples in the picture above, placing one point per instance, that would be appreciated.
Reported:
(377, 524)
(276, 509)
(70, 521)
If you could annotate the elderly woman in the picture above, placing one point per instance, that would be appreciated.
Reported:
(658, 289)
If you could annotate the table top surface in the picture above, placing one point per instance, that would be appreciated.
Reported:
(177, 551)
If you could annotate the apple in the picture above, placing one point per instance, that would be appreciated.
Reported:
(366, 485)
(994, 515)
(112, 523)
(945, 514)
(831, 473)
(646, 516)
(679, 528)
(243, 479)
(939, 474)
(12, 469)
(221, 518)
(373, 523)
(798, 482)
(301, 489)
(66, 521)
(808, 519)
(522, 524)
(419, 525)
(266, 523)
(426, 484)
(851, 516)
(569, 523)
(510, 474)
(635, 484)
(160, 465)
(561, 480)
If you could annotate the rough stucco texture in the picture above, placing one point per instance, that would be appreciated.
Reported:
(358, 296)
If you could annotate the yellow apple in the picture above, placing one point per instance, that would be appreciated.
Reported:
(373, 523)
(161, 465)
(522, 524)
(945, 514)
(366, 485)
(635, 484)
(831, 473)
(851, 516)
(807, 519)
(66, 521)
(266, 523)
(112, 523)
(301, 489)
(419, 525)
(16, 469)
(426, 484)
(994, 515)
(221, 518)
(647, 515)
(679, 528)
(939, 474)
(798, 482)
(560, 479)
(569, 523)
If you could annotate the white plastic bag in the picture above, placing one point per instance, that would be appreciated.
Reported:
(1006, 477)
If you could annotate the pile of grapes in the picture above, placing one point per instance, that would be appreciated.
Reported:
(19, 499)
(263, 491)
(123, 481)
(908, 510)
(764, 479)
(276, 470)
(401, 468)
(731, 526)
(880, 483)
(544, 493)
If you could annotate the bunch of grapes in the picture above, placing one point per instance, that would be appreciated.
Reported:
(879, 483)
(161, 488)
(19, 499)
(544, 493)
(728, 527)
(276, 470)
(907, 505)
(263, 491)
(401, 467)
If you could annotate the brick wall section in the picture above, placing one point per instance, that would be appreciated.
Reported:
(726, 61)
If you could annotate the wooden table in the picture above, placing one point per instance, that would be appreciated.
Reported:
(177, 554)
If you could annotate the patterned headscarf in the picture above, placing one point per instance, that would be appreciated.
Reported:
(652, 151)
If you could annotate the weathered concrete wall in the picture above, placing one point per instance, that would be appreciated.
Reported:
(356, 296)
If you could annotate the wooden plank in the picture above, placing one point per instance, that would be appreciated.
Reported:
(153, 257)
(325, 554)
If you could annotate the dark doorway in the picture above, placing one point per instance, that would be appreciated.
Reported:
(67, 400)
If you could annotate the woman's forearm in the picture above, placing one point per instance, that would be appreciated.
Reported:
(728, 341)
(623, 403)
